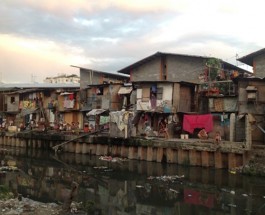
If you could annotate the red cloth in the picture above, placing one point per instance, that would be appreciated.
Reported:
(71, 96)
(190, 122)
(199, 198)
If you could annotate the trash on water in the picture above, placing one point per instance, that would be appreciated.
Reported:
(100, 167)
(232, 171)
(174, 191)
(111, 159)
(233, 192)
(166, 177)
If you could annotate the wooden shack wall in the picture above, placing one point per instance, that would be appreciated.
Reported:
(185, 99)
(12, 106)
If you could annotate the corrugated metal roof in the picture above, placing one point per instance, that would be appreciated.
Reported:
(105, 73)
(38, 85)
(128, 69)
(125, 90)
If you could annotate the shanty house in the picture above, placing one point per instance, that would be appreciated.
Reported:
(101, 93)
(168, 86)
(251, 101)
(28, 103)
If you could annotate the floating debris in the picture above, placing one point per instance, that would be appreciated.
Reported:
(105, 158)
(233, 192)
(139, 186)
(244, 194)
(8, 168)
(100, 167)
(112, 159)
(166, 177)
(232, 171)
(174, 191)
(108, 170)
(232, 205)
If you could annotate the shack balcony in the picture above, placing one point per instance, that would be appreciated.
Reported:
(101, 102)
(218, 88)
(67, 104)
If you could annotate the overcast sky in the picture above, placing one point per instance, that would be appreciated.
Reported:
(42, 38)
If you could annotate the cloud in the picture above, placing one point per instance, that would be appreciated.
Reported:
(45, 37)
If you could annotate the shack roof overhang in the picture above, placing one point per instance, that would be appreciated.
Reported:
(103, 85)
(37, 86)
(128, 69)
(248, 59)
(23, 91)
(35, 90)
(100, 72)
(164, 82)
(258, 79)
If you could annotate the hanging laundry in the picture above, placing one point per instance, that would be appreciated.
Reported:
(219, 105)
(71, 96)
(190, 122)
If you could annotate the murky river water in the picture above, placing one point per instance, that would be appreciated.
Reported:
(131, 187)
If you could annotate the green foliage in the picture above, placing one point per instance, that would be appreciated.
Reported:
(88, 206)
(5, 193)
(214, 65)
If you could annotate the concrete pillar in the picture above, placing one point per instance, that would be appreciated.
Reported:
(231, 160)
(218, 163)
(105, 149)
(205, 158)
(192, 157)
(13, 141)
(8, 141)
(39, 144)
(142, 152)
(124, 152)
(71, 147)
(139, 153)
(92, 149)
(159, 154)
(17, 142)
(1, 140)
(170, 155)
(183, 157)
(248, 130)
(4, 140)
(149, 155)
(23, 143)
(132, 154)
(98, 149)
(84, 148)
(232, 127)
(114, 150)
(78, 148)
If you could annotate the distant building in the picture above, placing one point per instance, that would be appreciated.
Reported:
(63, 78)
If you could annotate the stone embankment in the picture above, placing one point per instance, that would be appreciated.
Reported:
(256, 163)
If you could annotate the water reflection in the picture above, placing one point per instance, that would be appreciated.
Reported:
(132, 187)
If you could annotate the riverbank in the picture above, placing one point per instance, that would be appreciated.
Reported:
(26, 206)
(256, 163)
(21, 206)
